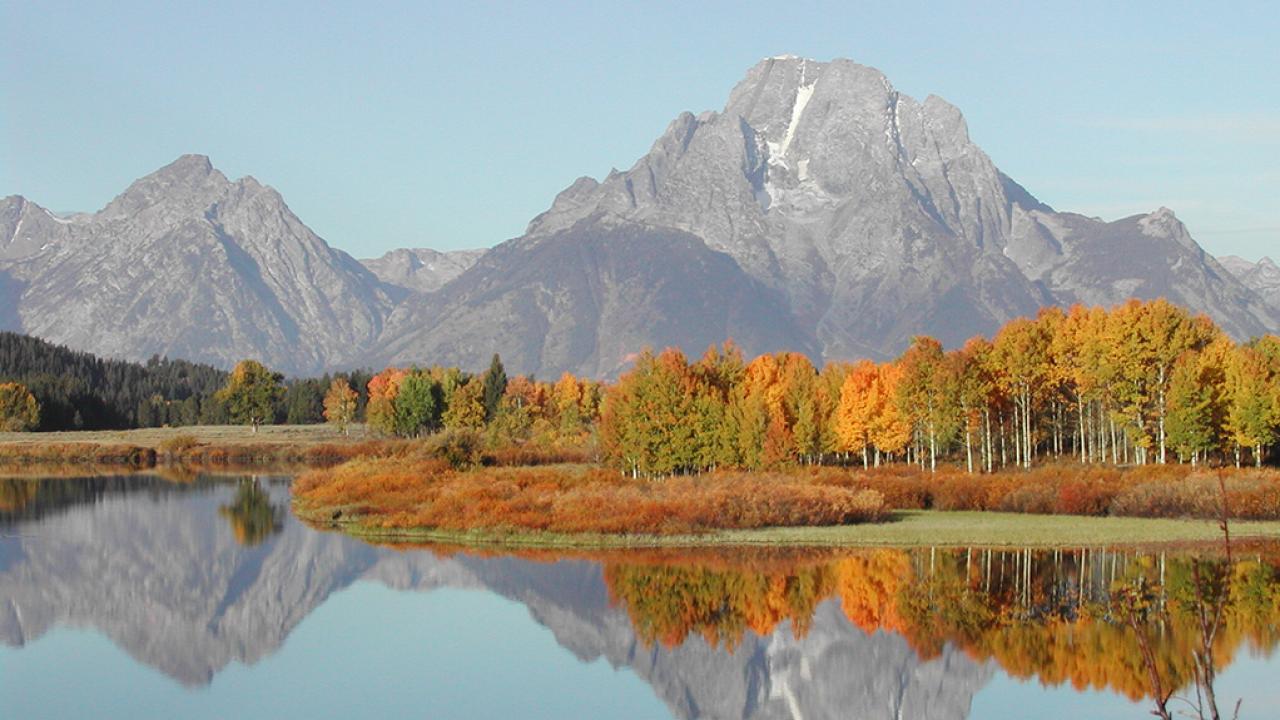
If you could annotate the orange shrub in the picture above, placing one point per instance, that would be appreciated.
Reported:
(528, 454)
(429, 494)
(1068, 489)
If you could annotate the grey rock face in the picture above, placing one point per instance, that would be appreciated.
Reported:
(586, 299)
(421, 270)
(188, 264)
(821, 210)
(1263, 277)
(872, 216)
(1085, 260)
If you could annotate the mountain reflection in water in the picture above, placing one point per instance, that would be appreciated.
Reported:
(189, 576)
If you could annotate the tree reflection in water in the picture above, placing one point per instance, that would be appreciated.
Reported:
(1128, 621)
(252, 515)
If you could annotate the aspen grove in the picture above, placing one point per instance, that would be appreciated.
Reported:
(1141, 383)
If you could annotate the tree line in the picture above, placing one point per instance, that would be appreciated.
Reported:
(1143, 382)
(1139, 383)
(410, 402)
(75, 390)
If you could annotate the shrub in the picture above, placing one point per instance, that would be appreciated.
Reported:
(1039, 498)
(458, 447)
(430, 494)
(529, 454)
(178, 444)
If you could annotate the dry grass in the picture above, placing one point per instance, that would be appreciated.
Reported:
(204, 434)
(219, 445)
(395, 493)
(414, 495)
(1156, 491)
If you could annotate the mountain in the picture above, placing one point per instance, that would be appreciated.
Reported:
(421, 270)
(586, 299)
(820, 210)
(861, 215)
(187, 263)
(1263, 277)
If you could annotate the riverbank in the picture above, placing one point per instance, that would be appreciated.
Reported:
(214, 445)
(902, 529)
(589, 506)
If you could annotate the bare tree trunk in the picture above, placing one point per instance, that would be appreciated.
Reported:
(933, 449)
(1004, 452)
(986, 420)
(1026, 427)
(968, 447)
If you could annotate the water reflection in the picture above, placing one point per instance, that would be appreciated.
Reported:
(252, 515)
(190, 576)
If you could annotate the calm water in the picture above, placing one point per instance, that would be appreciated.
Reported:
(146, 597)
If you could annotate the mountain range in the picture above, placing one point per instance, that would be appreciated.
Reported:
(820, 210)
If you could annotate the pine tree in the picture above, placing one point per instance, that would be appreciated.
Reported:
(495, 385)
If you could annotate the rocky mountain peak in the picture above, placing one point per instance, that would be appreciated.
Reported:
(1163, 223)
(421, 269)
(1263, 277)
(873, 215)
(820, 210)
(187, 263)
(185, 185)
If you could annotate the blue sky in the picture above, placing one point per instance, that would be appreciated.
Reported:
(450, 125)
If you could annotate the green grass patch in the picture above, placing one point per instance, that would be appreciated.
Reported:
(905, 528)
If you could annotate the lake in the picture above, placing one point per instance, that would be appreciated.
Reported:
(203, 597)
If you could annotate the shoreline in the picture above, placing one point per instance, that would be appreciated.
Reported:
(306, 446)
(905, 529)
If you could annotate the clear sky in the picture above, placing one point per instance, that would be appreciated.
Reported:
(451, 124)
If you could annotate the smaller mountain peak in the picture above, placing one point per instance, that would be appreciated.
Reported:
(193, 160)
(189, 180)
(251, 184)
(186, 168)
(1164, 224)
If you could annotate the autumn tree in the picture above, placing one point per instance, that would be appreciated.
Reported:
(465, 406)
(1253, 407)
(567, 400)
(1197, 399)
(417, 405)
(19, 410)
(251, 393)
(861, 400)
(927, 393)
(969, 369)
(748, 421)
(340, 405)
(1078, 350)
(1020, 352)
(647, 424)
(380, 412)
(890, 428)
